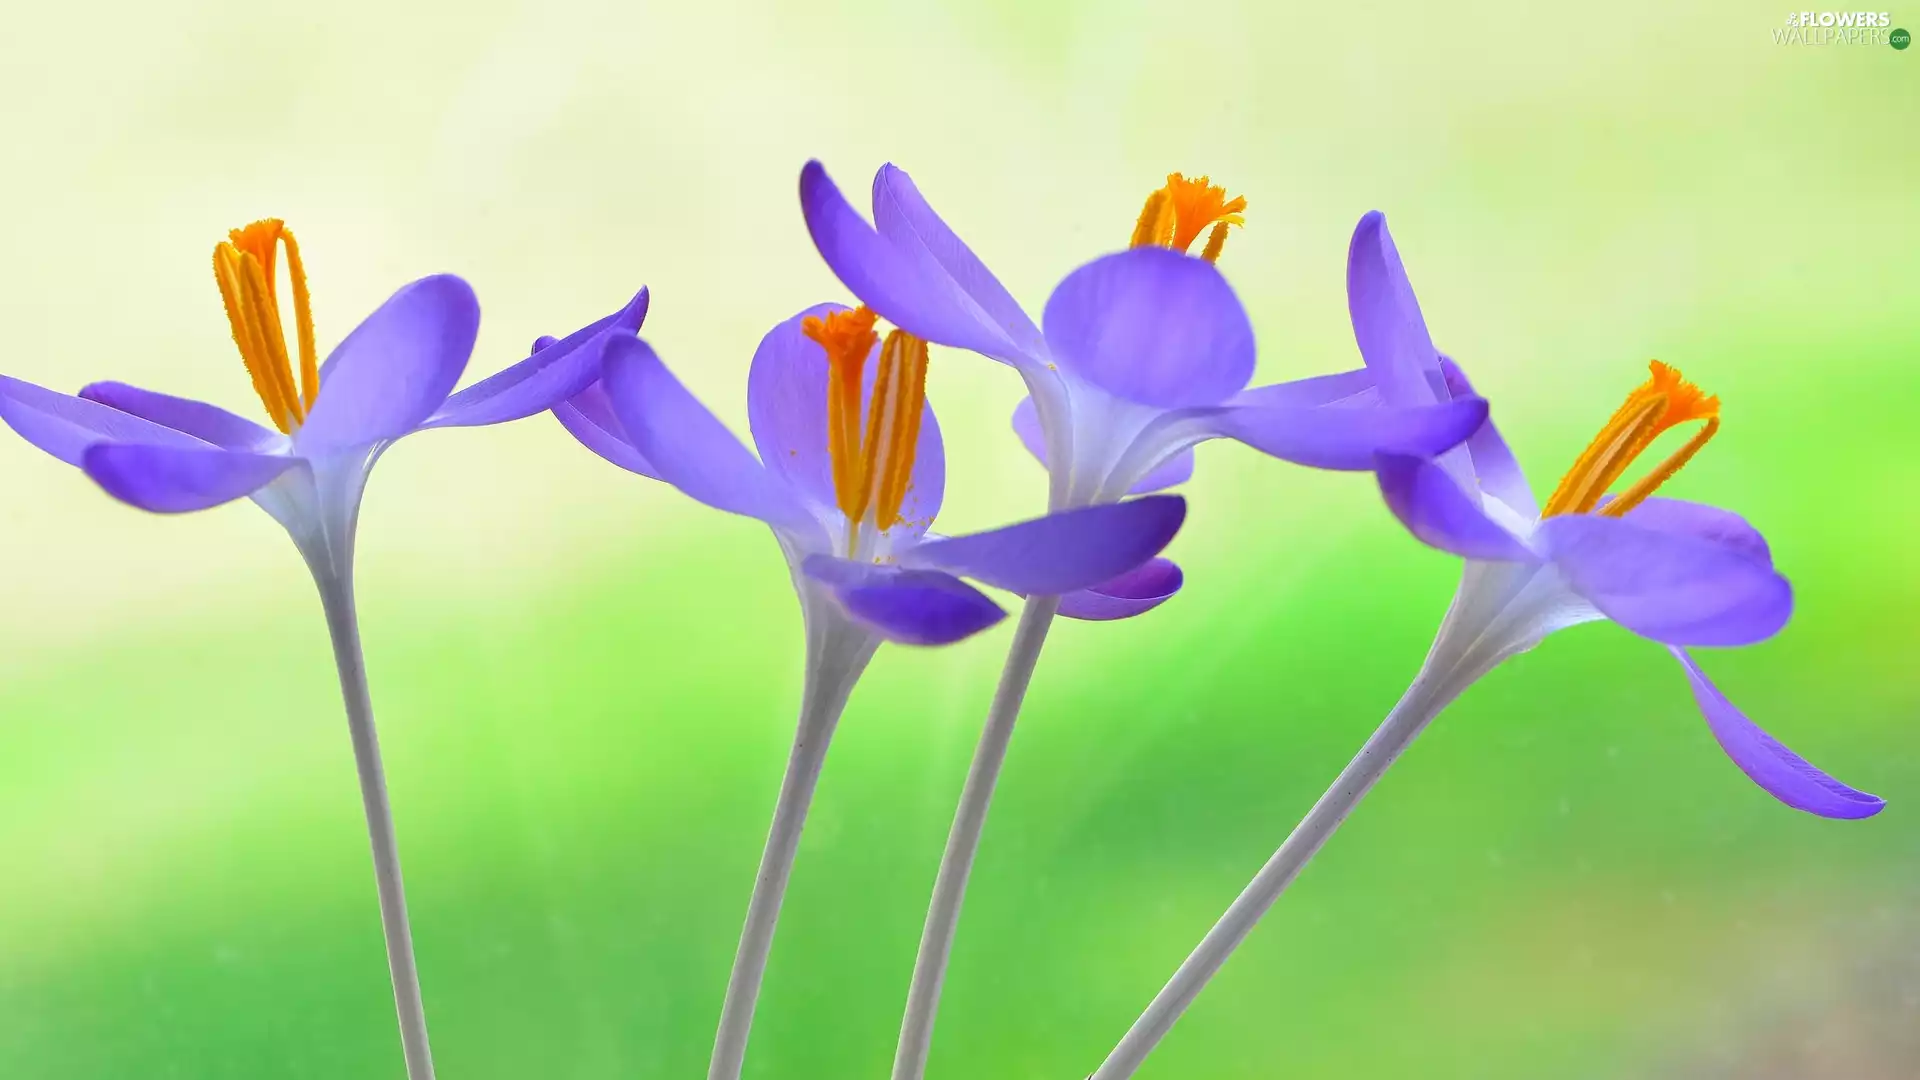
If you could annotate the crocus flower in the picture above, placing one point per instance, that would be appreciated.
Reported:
(1140, 356)
(392, 376)
(849, 477)
(1678, 573)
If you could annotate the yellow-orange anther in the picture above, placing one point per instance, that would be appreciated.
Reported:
(244, 266)
(1176, 215)
(893, 424)
(1664, 401)
(872, 464)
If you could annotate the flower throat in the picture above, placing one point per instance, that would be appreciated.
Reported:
(1664, 401)
(1176, 215)
(244, 266)
(872, 464)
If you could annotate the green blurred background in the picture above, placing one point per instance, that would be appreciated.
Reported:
(586, 683)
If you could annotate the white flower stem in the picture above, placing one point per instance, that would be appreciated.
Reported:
(963, 839)
(1422, 701)
(836, 655)
(336, 596)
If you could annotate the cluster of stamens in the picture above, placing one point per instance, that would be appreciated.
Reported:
(244, 265)
(1176, 215)
(1664, 401)
(872, 462)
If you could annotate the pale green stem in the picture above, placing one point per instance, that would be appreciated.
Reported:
(963, 839)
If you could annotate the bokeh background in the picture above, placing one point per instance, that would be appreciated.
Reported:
(586, 683)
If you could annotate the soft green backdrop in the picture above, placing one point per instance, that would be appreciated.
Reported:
(585, 683)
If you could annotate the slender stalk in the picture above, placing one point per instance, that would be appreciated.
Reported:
(336, 596)
(836, 655)
(963, 839)
(1422, 701)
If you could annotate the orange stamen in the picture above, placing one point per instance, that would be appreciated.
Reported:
(244, 267)
(1664, 401)
(1176, 215)
(872, 466)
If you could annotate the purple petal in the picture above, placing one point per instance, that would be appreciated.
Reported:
(689, 446)
(64, 425)
(555, 372)
(174, 480)
(908, 289)
(542, 342)
(915, 607)
(1152, 326)
(787, 411)
(1172, 472)
(1670, 587)
(207, 423)
(1438, 513)
(1341, 437)
(904, 219)
(1499, 473)
(1387, 323)
(1710, 523)
(1063, 552)
(1782, 773)
(1026, 425)
(1135, 592)
(588, 416)
(1351, 388)
(396, 368)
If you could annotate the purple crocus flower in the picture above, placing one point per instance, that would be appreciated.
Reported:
(1140, 355)
(849, 477)
(1678, 573)
(392, 376)
(852, 505)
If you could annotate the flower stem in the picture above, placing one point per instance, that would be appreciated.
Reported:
(836, 655)
(1422, 701)
(336, 596)
(963, 839)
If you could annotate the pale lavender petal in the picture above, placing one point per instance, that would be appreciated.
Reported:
(396, 368)
(1782, 773)
(1349, 388)
(589, 417)
(914, 607)
(1387, 323)
(1063, 552)
(207, 423)
(689, 446)
(1341, 437)
(910, 291)
(174, 480)
(64, 426)
(1135, 592)
(787, 411)
(1152, 326)
(903, 217)
(1497, 470)
(555, 372)
(1026, 425)
(1438, 513)
(1175, 470)
(1671, 587)
(1710, 523)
